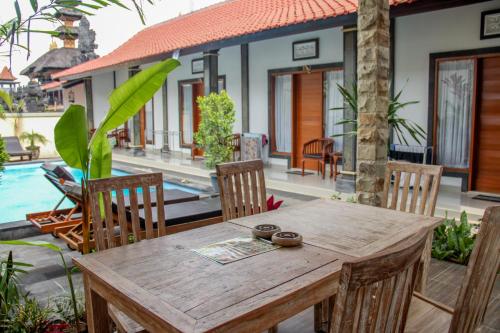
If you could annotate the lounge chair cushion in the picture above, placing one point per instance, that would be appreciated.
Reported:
(57, 171)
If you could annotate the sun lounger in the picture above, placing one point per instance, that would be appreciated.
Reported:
(189, 215)
(14, 148)
(48, 221)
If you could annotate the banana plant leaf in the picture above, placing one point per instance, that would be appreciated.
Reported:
(101, 159)
(71, 137)
(126, 100)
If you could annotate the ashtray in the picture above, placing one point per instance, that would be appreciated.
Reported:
(287, 238)
(265, 230)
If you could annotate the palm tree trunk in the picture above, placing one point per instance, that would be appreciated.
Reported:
(373, 96)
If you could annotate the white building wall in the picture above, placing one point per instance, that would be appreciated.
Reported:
(277, 53)
(79, 93)
(417, 36)
(102, 86)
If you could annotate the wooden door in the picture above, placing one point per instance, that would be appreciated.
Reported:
(308, 121)
(487, 139)
(197, 91)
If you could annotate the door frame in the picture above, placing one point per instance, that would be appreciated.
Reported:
(180, 98)
(271, 74)
(466, 174)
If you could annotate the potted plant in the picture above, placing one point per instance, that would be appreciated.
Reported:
(400, 125)
(33, 138)
(216, 130)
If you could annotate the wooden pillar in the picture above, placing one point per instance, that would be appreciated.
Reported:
(245, 97)
(373, 94)
(210, 71)
(89, 101)
(164, 99)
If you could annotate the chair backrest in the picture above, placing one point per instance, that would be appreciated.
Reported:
(480, 276)
(106, 234)
(375, 292)
(242, 188)
(426, 181)
(318, 146)
(236, 142)
(12, 143)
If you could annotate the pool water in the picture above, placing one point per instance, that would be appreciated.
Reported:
(24, 189)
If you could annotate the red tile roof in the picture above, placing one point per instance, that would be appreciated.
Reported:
(51, 85)
(221, 21)
(6, 75)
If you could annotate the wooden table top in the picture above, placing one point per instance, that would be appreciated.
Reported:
(164, 278)
(353, 229)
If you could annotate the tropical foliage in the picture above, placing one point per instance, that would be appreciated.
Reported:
(453, 241)
(4, 156)
(15, 32)
(93, 156)
(215, 133)
(400, 125)
(33, 138)
(28, 316)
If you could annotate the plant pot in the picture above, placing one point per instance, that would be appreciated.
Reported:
(35, 152)
(213, 181)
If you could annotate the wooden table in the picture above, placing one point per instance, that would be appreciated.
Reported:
(166, 287)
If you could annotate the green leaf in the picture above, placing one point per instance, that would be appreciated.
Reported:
(34, 5)
(46, 245)
(126, 100)
(71, 137)
(5, 96)
(18, 12)
(100, 163)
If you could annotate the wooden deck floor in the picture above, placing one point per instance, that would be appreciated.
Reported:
(444, 283)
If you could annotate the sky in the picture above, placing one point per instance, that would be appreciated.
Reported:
(113, 26)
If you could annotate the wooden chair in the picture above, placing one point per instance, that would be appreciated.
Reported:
(242, 188)
(242, 191)
(426, 181)
(236, 144)
(375, 292)
(427, 315)
(108, 234)
(318, 150)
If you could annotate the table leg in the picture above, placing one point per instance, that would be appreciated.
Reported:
(98, 320)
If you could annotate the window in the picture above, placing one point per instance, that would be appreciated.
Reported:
(333, 99)
(454, 112)
(283, 113)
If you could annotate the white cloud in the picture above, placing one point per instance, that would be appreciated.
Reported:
(113, 26)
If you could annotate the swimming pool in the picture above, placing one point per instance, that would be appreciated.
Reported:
(24, 189)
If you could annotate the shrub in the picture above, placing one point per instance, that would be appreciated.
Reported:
(452, 241)
(4, 156)
(216, 128)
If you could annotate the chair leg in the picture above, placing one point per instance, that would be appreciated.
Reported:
(323, 169)
(423, 269)
(303, 166)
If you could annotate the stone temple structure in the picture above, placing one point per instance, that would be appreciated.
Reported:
(42, 93)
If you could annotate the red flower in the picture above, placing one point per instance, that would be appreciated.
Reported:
(271, 205)
(57, 328)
